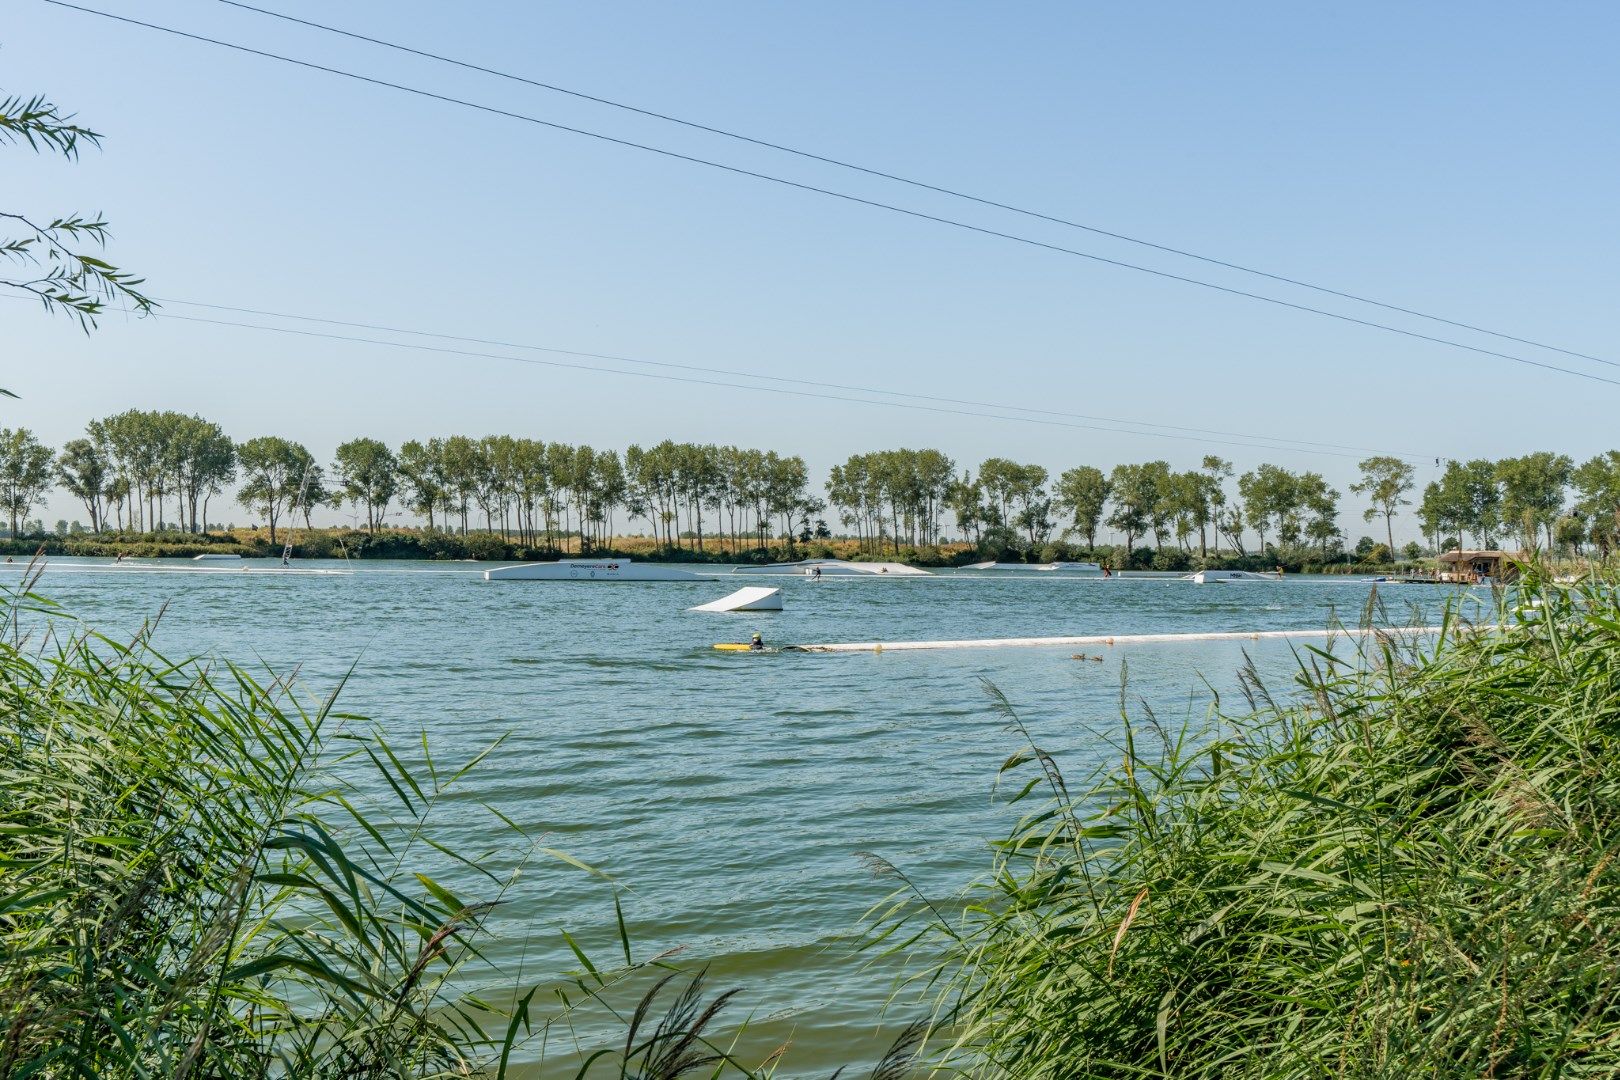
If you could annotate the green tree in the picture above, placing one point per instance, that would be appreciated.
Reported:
(1533, 492)
(136, 453)
(1320, 504)
(965, 498)
(786, 490)
(1471, 499)
(1602, 533)
(1384, 483)
(1271, 502)
(82, 470)
(1186, 501)
(1597, 482)
(25, 473)
(367, 475)
(1217, 471)
(275, 474)
(202, 459)
(1569, 532)
(1082, 494)
(1436, 515)
(463, 462)
(1135, 492)
(996, 478)
(421, 471)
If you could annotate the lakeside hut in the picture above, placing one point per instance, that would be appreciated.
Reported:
(1468, 567)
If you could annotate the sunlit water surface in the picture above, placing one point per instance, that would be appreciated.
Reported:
(726, 794)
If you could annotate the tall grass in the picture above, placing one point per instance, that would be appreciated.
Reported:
(187, 890)
(198, 880)
(1409, 871)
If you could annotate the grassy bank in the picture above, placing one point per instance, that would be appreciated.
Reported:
(1414, 873)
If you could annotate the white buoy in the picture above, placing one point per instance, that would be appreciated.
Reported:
(753, 598)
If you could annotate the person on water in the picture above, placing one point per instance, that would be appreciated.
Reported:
(756, 643)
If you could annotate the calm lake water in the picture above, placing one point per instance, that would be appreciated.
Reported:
(727, 794)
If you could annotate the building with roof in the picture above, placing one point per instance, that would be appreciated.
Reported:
(1469, 567)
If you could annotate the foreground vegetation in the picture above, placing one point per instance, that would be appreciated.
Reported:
(1411, 873)
(194, 883)
(1408, 869)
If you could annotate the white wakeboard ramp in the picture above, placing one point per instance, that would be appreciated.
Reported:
(753, 598)
(591, 570)
(833, 568)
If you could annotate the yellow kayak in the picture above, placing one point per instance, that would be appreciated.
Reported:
(731, 646)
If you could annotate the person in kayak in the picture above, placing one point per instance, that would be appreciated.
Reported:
(756, 643)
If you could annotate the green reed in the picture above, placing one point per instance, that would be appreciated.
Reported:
(1406, 869)
(198, 879)
(188, 889)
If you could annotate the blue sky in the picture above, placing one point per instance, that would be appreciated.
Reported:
(1454, 158)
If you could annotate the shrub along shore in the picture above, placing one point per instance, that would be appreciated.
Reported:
(436, 544)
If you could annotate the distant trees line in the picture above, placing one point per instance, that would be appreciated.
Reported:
(143, 470)
(1527, 498)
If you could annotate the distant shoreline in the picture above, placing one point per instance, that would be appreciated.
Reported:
(435, 545)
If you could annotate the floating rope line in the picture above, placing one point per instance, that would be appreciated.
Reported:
(1109, 639)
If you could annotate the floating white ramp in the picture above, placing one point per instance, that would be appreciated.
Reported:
(835, 568)
(1213, 577)
(753, 598)
(1049, 568)
(1108, 639)
(591, 570)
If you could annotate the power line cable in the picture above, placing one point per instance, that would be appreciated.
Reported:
(597, 369)
(830, 193)
(738, 373)
(1131, 426)
(912, 182)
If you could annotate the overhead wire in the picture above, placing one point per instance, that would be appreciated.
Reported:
(911, 181)
(779, 390)
(831, 193)
(740, 373)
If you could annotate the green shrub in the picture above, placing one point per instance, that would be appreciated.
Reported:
(1378, 555)
(1171, 559)
(486, 547)
(1414, 871)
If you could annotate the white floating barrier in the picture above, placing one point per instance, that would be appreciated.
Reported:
(1048, 568)
(1213, 577)
(753, 598)
(591, 570)
(1107, 639)
(834, 568)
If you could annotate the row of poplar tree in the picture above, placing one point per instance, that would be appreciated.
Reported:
(144, 470)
